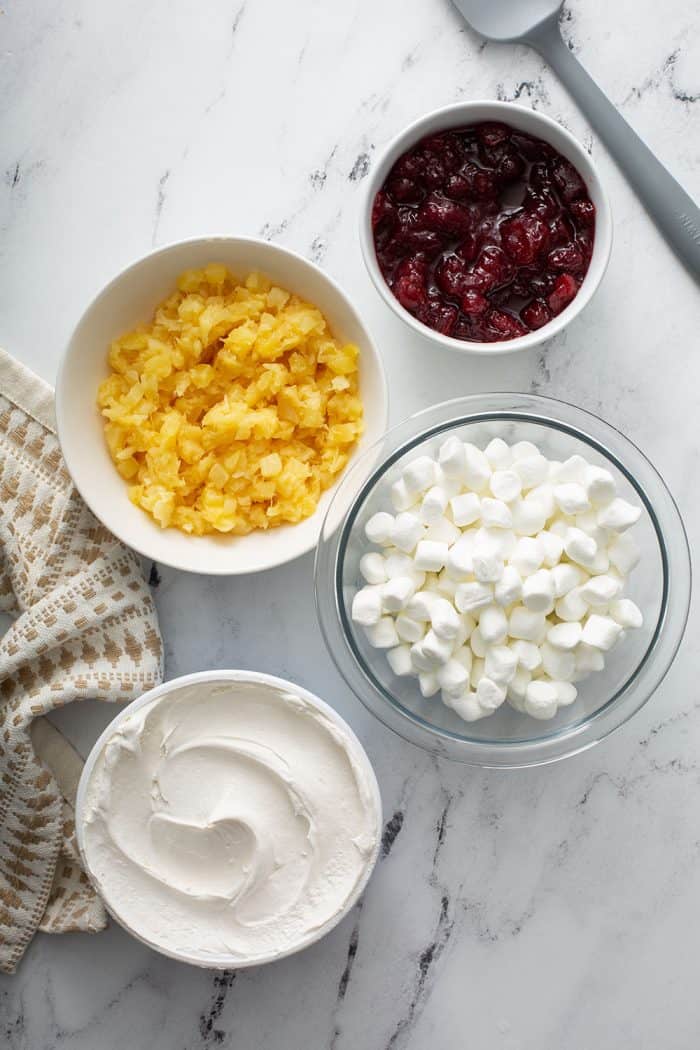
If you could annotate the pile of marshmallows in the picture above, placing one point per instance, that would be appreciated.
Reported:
(500, 576)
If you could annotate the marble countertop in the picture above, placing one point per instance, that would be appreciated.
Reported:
(555, 907)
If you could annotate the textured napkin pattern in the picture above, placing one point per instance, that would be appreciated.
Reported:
(83, 626)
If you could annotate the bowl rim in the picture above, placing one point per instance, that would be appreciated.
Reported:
(498, 110)
(224, 962)
(214, 568)
(519, 752)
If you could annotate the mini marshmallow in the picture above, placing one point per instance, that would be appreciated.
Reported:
(588, 659)
(487, 566)
(496, 514)
(496, 541)
(460, 558)
(527, 555)
(529, 516)
(477, 470)
(420, 606)
(399, 564)
(565, 635)
(428, 684)
(566, 693)
(443, 531)
(517, 688)
(544, 494)
(373, 567)
(571, 498)
(538, 591)
(453, 457)
(477, 672)
(464, 656)
(532, 470)
(431, 555)
(541, 699)
(509, 588)
(561, 525)
(409, 630)
(498, 454)
(493, 624)
(419, 475)
(434, 505)
(380, 528)
(453, 677)
(601, 562)
(571, 607)
(524, 449)
(408, 530)
(600, 486)
(527, 654)
(624, 553)
(552, 547)
(465, 508)
(445, 620)
(505, 485)
(399, 660)
(446, 584)
(618, 515)
(500, 664)
(579, 546)
(566, 577)
(477, 644)
(438, 648)
(423, 661)
(367, 606)
(382, 634)
(558, 663)
(472, 596)
(601, 632)
(626, 613)
(401, 498)
(396, 592)
(525, 624)
(489, 694)
(467, 707)
(575, 469)
(600, 590)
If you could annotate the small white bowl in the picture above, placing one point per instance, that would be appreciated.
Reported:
(536, 124)
(205, 679)
(130, 299)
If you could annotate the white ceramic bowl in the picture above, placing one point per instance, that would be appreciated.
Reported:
(536, 124)
(129, 299)
(206, 679)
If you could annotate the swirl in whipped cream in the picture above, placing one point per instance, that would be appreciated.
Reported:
(229, 818)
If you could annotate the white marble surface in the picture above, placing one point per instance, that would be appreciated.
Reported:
(557, 907)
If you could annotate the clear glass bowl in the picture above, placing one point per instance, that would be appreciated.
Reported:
(660, 584)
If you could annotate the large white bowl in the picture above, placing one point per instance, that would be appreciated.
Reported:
(129, 299)
(204, 680)
(536, 124)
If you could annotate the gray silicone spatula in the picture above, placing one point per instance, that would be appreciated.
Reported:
(536, 22)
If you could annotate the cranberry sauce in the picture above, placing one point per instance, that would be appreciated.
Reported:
(483, 233)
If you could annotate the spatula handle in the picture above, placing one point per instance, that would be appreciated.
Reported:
(674, 212)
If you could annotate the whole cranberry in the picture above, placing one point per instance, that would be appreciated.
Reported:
(510, 167)
(410, 283)
(468, 248)
(439, 316)
(495, 266)
(505, 325)
(564, 291)
(444, 216)
(426, 241)
(474, 303)
(583, 212)
(382, 208)
(569, 183)
(536, 314)
(492, 133)
(406, 191)
(457, 186)
(560, 230)
(525, 237)
(566, 258)
(449, 275)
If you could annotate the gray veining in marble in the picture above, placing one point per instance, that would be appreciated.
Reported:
(551, 908)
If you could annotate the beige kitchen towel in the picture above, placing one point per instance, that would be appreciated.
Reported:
(83, 627)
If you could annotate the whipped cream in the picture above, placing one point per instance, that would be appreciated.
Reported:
(230, 820)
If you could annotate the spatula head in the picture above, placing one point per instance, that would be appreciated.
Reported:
(506, 19)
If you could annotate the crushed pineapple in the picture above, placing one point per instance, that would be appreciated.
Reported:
(233, 409)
